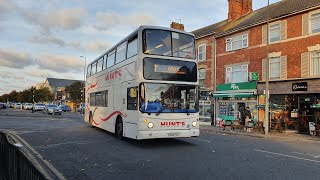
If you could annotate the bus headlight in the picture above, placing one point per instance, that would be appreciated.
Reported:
(194, 123)
(150, 125)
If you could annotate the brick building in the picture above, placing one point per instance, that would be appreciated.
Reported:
(237, 66)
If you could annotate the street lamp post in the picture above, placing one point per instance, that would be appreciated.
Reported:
(266, 119)
(84, 82)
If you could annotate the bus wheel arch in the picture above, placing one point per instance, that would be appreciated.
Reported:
(119, 127)
(91, 119)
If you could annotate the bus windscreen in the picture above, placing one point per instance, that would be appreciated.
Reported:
(169, 70)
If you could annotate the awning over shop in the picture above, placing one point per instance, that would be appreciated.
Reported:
(240, 95)
(316, 106)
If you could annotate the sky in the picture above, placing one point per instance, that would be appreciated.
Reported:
(45, 38)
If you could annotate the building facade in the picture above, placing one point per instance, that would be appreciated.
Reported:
(293, 41)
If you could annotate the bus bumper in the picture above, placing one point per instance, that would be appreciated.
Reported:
(168, 134)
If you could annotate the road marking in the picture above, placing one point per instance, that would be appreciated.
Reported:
(54, 170)
(201, 139)
(71, 142)
(285, 155)
(312, 155)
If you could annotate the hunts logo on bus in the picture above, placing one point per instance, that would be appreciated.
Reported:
(172, 123)
(113, 75)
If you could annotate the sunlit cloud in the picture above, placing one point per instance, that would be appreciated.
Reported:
(14, 59)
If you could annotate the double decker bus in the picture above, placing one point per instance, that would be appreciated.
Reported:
(146, 86)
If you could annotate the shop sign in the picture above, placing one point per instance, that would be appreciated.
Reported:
(254, 76)
(301, 86)
(237, 86)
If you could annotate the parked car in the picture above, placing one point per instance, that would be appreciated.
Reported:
(38, 107)
(17, 106)
(28, 106)
(51, 108)
(65, 108)
(3, 105)
(11, 104)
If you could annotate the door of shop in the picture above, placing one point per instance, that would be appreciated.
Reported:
(306, 113)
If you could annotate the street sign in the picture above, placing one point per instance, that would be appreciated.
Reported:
(254, 76)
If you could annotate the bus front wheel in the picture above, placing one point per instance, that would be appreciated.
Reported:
(119, 128)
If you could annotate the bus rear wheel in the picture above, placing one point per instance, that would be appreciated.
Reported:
(119, 128)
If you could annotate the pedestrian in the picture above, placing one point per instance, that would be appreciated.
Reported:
(247, 115)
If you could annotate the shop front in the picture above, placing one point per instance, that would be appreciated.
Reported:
(232, 100)
(293, 104)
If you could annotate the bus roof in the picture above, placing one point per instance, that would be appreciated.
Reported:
(134, 33)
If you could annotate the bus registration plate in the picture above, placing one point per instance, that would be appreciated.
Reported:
(174, 134)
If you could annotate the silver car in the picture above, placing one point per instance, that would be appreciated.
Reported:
(51, 108)
(27, 106)
(38, 107)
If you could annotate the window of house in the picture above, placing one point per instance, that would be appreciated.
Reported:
(237, 42)
(274, 68)
(274, 32)
(121, 52)
(132, 47)
(202, 52)
(110, 59)
(237, 73)
(315, 22)
(202, 77)
(315, 63)
(132, 98)
(100, 65)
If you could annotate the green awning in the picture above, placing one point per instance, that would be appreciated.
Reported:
(240, 95)
(316, 106)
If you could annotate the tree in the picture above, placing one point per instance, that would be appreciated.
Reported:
(43, 95)
(4, 98)
(74, 90)
(13, 96)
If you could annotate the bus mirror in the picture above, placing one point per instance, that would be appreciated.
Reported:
(133, 92)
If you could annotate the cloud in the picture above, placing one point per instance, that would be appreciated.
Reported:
(66, 19)
(47, 39)
(6, 6)
(107, 20)
(98, 46)
(60, 63)
(13, 59)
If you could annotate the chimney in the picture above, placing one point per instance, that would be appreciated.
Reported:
(175, 25)
(238, 8)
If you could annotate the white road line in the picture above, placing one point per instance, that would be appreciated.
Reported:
(312, 155)
(285, 155)
(201, 139)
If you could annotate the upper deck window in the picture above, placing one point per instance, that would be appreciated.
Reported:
(167, 43)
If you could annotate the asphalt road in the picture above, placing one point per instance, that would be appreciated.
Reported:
(77, 151)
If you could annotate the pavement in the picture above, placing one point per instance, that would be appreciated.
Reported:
(67, 148)
(206, 127)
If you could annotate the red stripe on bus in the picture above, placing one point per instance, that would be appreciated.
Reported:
(95, 122)
(92, 86)
(112, 114)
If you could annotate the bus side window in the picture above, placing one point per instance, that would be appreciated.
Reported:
(132, 47)
(132, 98)
(106, 98)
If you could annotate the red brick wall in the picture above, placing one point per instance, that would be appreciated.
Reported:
(254, 54)
(208, 64)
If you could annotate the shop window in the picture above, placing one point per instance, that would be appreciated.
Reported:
(132, 98)
(236, 74)
(275, 68)
(315, 63)
(202, 77)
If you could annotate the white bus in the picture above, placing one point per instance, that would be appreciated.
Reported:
(146, 86)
